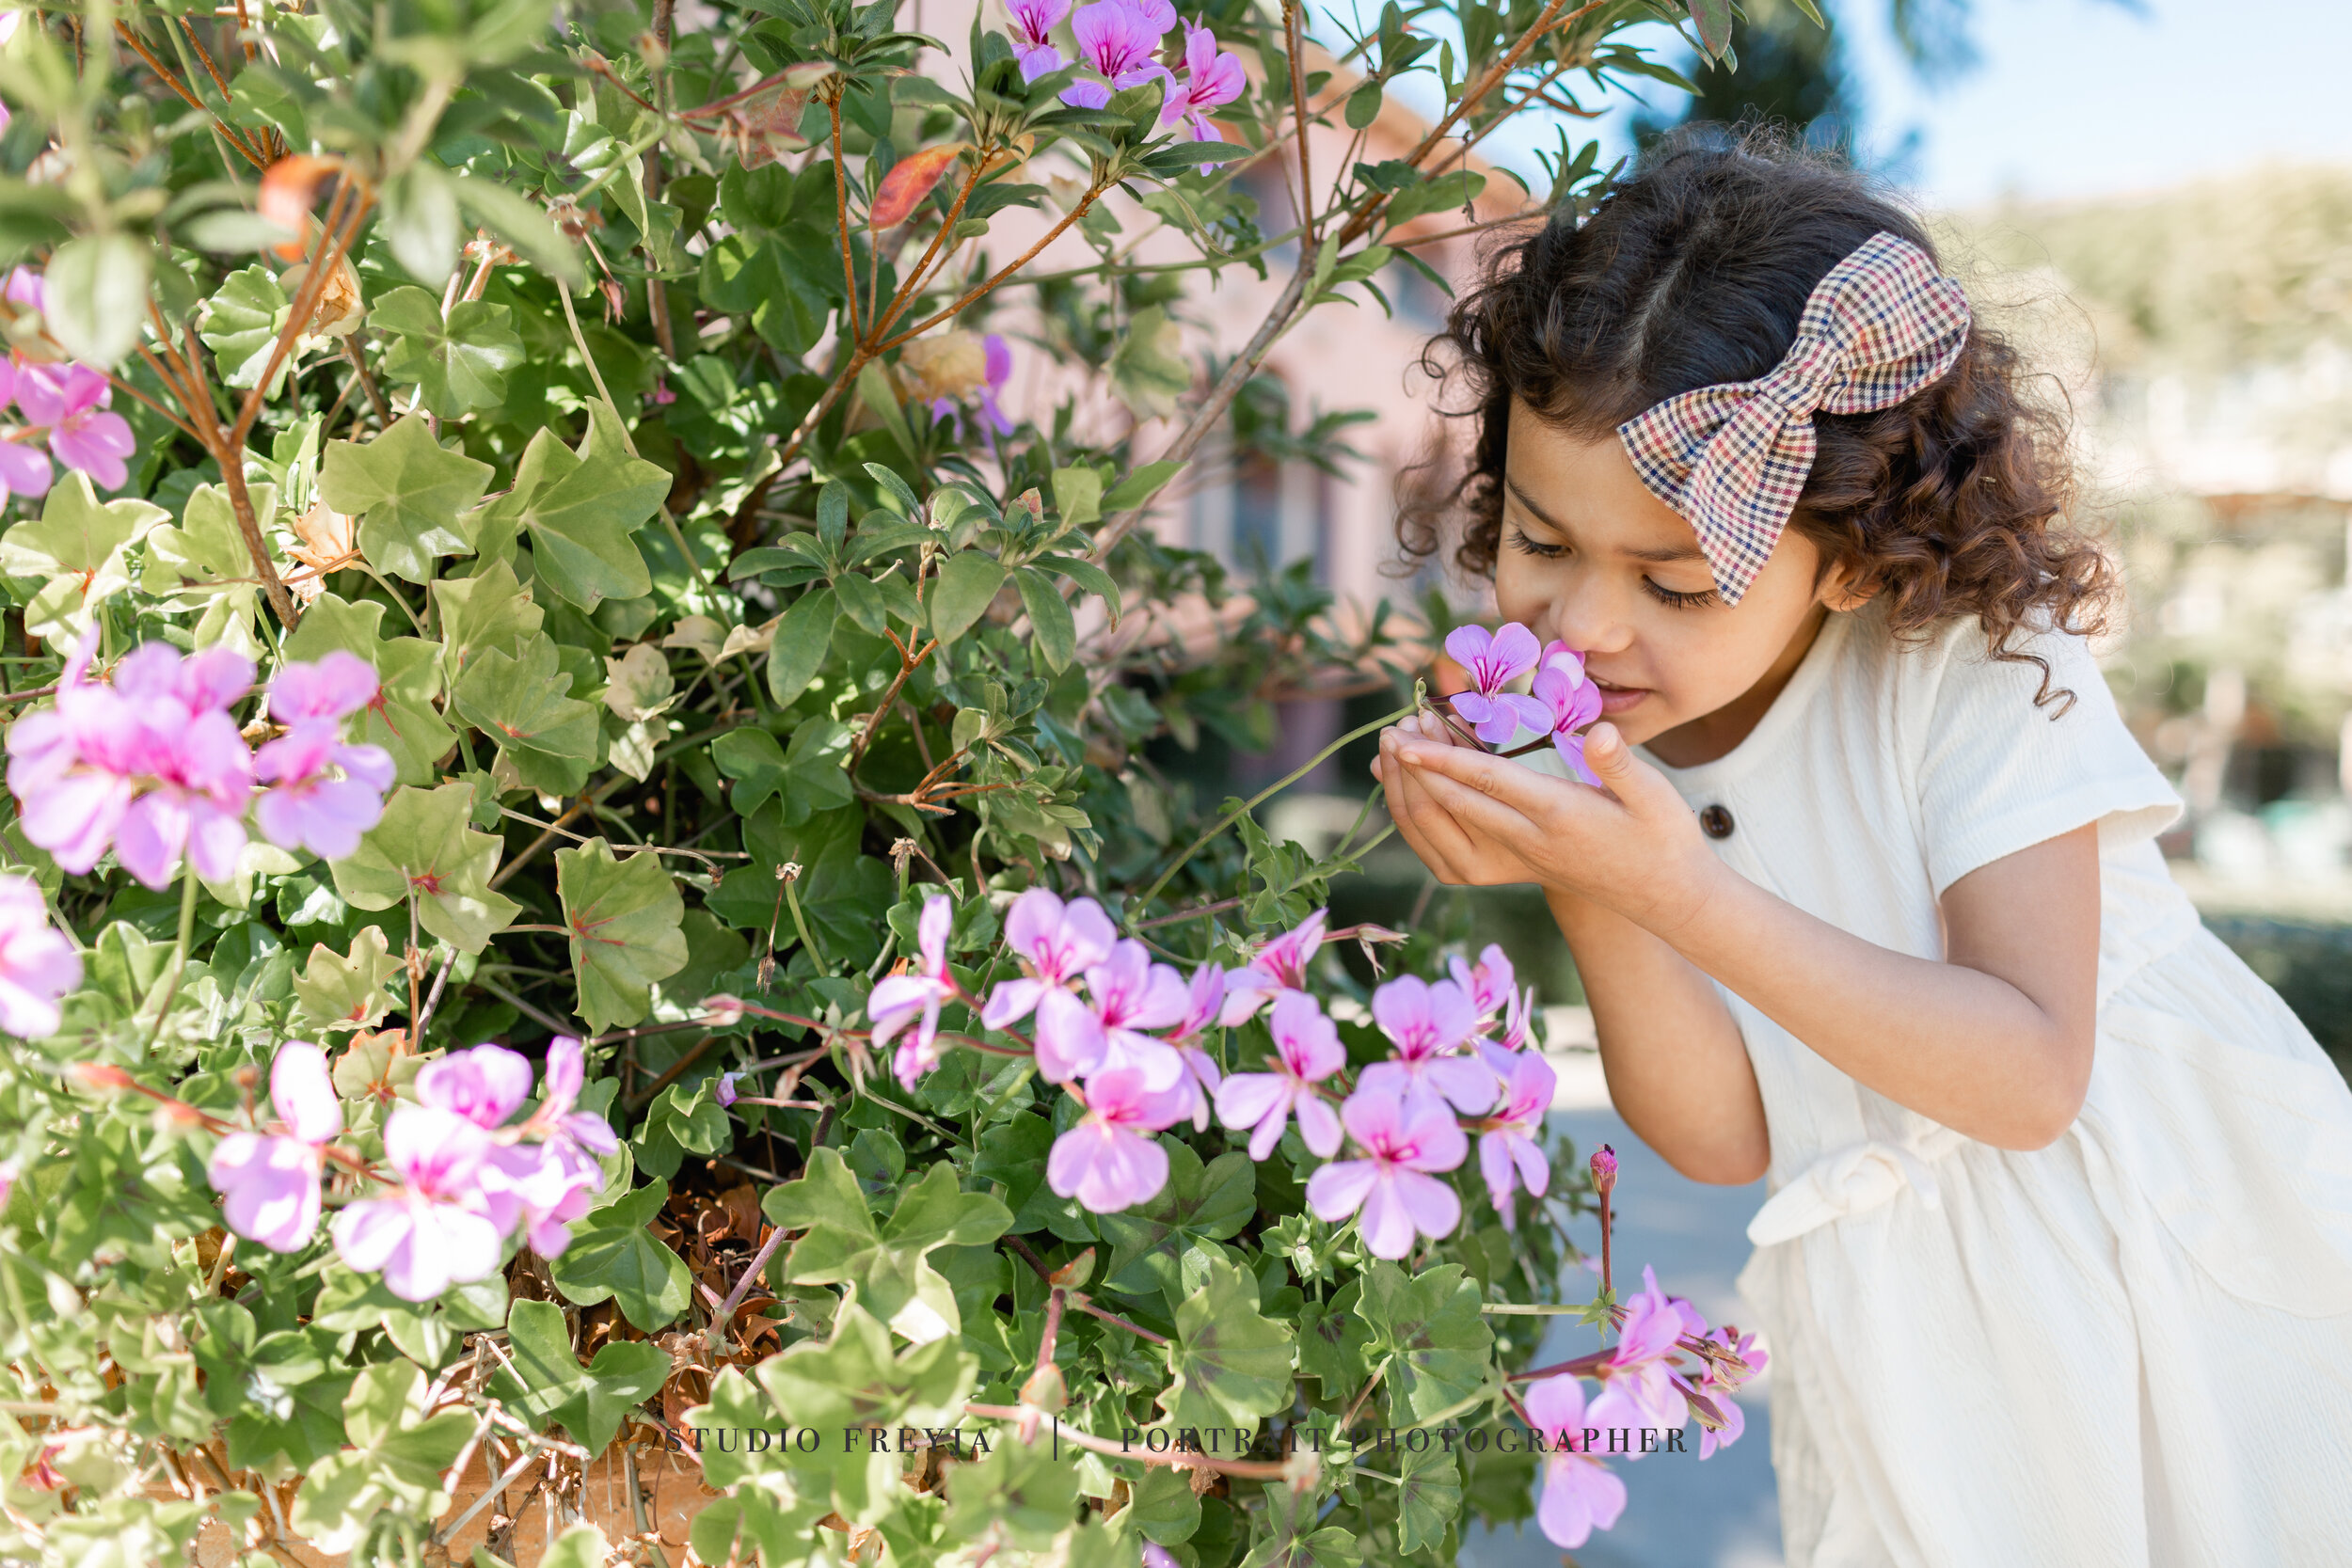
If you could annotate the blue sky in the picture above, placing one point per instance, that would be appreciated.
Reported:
(2078, 98)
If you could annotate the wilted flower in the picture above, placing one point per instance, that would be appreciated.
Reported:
(1402, 1142)
(271, 1181)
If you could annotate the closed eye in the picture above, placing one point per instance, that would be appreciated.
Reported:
(1521, 543)
(1677, 599)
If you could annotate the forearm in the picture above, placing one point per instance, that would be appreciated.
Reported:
(1952, 1042)
(1678, 1069)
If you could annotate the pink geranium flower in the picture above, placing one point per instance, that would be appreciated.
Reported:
(915, 997)
(1307, 1051)
(435, 1231)
(1206, 1002)
(1426, 1023)
(1402, 1143)
(1280, 965)
(1127, 994)
(1211, 80)
(1581, 1495)
(581, 1140)
(1570, 701)
(70, 401)
(484, 1085)
(38, 964)
(1493, 661)
(324, 794)
(1508, 1151)
(1637, 1386)
(271, 1181)
(1110, 1160)
(1118, 38)
(1033, 25)
(1059, 945)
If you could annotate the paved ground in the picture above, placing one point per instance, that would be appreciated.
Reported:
(1680, 1511)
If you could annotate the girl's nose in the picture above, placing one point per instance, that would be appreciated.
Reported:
(1590, 618)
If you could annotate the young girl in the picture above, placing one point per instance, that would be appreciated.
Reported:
(2056, 1264)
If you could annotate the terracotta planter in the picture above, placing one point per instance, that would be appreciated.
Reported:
(673, 1489)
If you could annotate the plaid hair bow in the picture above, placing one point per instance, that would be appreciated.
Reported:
(1733, 458)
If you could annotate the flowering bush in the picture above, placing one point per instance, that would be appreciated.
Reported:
(580, 880)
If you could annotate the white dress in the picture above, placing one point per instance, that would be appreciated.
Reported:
(2132, 1347)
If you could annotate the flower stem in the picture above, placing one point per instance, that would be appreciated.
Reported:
(1275, 788)
(178, 953)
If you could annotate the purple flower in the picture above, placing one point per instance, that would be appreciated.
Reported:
(335, 688)
(1280, 965)
(1309, 1051)
(1157, 1556)
(532, 1184)
(1508, 1151)
(70, 401)
(1127, 994)
(152, 768)
(1637, 1386)
(1402, 1142)
(1580, 1494)
(1060, 943)
(579, 1139)
(1211, 81)
(26, 289)
(1110, 1160)
(1425, 1023)
(271, 1181)
(1486, 983)
(1033, 25)
(1202, 1072)
(1494, 660)
(1118, 38)
(435, 1231)
(325, 793)
(915, 998)
(37, 962)
(724, 1092)
(485, 1084)
(1570, 701)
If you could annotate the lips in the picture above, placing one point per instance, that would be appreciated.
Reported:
(1617, 699)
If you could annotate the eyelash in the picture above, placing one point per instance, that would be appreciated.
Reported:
(1672, 599)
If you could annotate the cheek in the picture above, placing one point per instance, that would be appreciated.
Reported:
(1522, 589)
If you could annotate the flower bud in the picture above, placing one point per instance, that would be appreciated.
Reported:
(725, 1012)
(1074, 1272)
(100, 1075)
(1604, 1169)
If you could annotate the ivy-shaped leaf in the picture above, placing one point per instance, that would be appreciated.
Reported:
(460, 365)
(410, 494)
(1231, 1363)
(888, 1264)
(579, 511)
(241, 323)
(396, 1458)
(1429, 1498)
(548, 1382)
(623, 918)
(1205, 1204)
(855, 1379)
(614, 1256)
(403, 719)
(489, 610)
(77, 548)
(549, 738)
(202, 563)
(426, 842)
(1428, 1333)
(347, 991)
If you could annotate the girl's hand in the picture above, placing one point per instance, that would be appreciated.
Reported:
(1481, 819)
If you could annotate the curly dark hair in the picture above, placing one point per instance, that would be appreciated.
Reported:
(1693, 271)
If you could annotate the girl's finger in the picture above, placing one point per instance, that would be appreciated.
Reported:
(1433, 835)
(1531, 795)
(1474, 810)
(1642, 787)
(1395, 781)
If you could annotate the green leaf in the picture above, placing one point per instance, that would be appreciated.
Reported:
(615, 1258)
(460, 365)
(241, 323)
(854, 1379)
(1078, 496)
(426, 841)
(1148, 369)
(547, 1382)
(403, 720)
(582, 1545)
(421, 222)
(579, 511)
(1456, 189)
(397, 1456)
(1429, 1500)
(550, 739)
(77, 547)
(1140, 487)
(347, 991)
(409, 494)
(96, 293)
(201, 563)
(1363, 105)
(1713, 17)
(802, 638)
(888, 1264)
(624, 917)
(1023, 1491)
(680, 1121)
(1427, 1330)
(1050, 619)
(1231, 1363)
(967, 585)
(1198, 1204)
(523, 224)
(489, 610)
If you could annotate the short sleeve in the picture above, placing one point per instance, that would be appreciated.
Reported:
(1998, 774)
